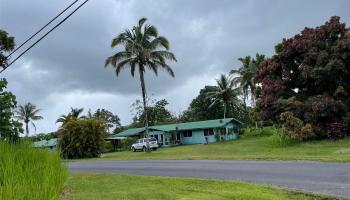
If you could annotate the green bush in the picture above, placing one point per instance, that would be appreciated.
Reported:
(29, 173)
(253, 132)
(82, 138)
(295, 127)
(280, 138)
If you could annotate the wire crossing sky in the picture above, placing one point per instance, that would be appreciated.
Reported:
(52, 29)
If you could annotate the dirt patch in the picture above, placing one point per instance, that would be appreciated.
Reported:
(65, 194)
(345, 150)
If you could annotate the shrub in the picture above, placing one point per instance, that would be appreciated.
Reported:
(29, 173)
(82, 138)
(337, 130)
(295, 127)
(252, 131)
(280, 138)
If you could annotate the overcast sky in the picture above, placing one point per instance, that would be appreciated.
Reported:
(66, 69)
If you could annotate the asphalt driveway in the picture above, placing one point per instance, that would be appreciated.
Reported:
(327, 178)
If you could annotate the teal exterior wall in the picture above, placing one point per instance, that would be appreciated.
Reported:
(164, 138)
(199, 138)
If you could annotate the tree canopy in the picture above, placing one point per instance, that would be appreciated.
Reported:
(7, 44)
(9, 127)
(28, 113)
(157, 112)
(309, 76)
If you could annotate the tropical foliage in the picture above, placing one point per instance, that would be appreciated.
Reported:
(28, 114)
(226, 94)
(10, 128)
(156, 111)
(244, 76)
(7, 44)
(111, 120)
(143, 49)
(75, 113)
(82, 138)
(309, 77)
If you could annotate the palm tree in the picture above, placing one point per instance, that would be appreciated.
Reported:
(245, 76)
(142, 48)
(28, 113)
(225, 93)
(73, 114)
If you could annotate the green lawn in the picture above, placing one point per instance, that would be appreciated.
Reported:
(127, 187)
(255, 148)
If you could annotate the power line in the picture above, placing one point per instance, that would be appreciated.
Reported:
(31, 46)
(53, 19)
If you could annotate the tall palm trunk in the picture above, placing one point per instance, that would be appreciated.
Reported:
(27, 129)
(224, 110)
(143, 88)
(245, 99)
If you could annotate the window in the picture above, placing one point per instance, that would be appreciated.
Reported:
(187, 133)
(208, 132)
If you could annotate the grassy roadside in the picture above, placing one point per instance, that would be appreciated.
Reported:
(116, 186)
(29, 173)
(247, 148)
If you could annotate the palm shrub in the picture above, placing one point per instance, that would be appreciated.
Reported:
(82, 138)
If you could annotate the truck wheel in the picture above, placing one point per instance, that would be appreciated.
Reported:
(133, 149)
(144, 149)
(155, 148)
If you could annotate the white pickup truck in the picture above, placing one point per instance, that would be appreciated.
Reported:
(141, 144)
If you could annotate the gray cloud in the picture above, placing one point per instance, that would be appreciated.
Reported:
(66, 68)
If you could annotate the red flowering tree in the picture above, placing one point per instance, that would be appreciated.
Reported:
(309, 76)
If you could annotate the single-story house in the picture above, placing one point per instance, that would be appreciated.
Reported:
(51, 144)
(198, 132)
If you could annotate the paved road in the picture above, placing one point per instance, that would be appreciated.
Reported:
(327, 178)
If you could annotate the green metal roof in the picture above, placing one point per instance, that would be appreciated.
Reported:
(130, 132)
(216, 123)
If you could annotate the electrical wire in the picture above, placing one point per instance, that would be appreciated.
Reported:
(53, 19)
(31, 46)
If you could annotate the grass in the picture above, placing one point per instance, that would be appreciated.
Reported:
(29, 173)
(127, 187)
(247, 148)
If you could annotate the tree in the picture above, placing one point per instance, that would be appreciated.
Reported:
(9, 127)
(75, 113)
(309, 77)
(7, 44)
(28, 114)
(202, 107)
(108, 117)
(244, 76)
(156, 111)
(142, 48)
(225, 93)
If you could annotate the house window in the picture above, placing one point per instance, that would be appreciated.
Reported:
(187, 133)
(208, 132)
